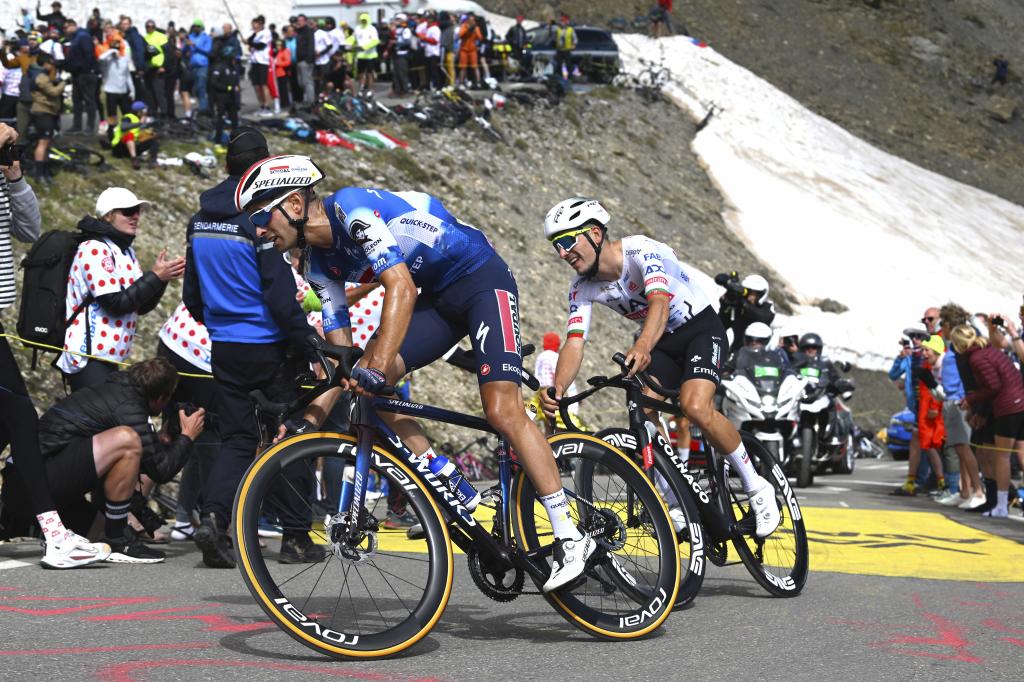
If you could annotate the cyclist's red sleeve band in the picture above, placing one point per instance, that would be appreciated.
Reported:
(658, 292)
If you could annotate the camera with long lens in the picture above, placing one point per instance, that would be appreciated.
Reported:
(734, 291)
(10, 153)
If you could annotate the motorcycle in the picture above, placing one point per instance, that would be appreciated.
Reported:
(764, 399)
(825, 435)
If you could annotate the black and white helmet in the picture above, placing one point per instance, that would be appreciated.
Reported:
(811, 340)
(573, 214)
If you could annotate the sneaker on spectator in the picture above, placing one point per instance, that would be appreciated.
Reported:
(996, 513)
(73, 551)
(299, 548)
(131, 550)
(908, 489)
(400, 520)
(183, 531)
(269, 529)
(214, 543)
(972, 502)
(949, 499)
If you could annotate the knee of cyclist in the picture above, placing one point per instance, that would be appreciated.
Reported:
(504, 420)
(699, 412)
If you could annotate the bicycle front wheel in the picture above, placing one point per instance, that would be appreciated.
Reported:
(373, 597)
(630, 585)
(779, 562)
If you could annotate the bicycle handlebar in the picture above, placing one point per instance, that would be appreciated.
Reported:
(346, 357)
(667, 393)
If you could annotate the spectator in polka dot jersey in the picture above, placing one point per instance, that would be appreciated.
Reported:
(108, 289)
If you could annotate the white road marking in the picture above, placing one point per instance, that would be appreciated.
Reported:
(843, 504)
(826, 490)
(13, 563)
(881, 483)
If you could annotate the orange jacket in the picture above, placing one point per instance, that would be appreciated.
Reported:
(282, 60)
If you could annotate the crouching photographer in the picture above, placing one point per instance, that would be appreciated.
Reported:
(744, 302)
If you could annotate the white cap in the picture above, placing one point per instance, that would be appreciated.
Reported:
(401, 16)
(114, 198)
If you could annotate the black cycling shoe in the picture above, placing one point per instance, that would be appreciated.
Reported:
(297, 548)
(214, 543)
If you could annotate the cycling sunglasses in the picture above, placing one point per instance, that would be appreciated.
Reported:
(261, 217)
(567, 240)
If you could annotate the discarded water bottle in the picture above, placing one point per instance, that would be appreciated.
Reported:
(455, 481)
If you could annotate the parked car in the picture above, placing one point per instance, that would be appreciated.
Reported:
(596, 53)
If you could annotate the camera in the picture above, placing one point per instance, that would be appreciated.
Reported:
(10, 153)
(998, 321)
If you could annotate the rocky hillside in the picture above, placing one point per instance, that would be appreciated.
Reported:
(910, 76)
(634, 156)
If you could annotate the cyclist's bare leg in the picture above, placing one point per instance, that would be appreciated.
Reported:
(696, 396)
(503, 408)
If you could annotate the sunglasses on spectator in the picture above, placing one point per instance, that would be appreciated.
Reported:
(567, 240)
(928, 320)
(130, 212)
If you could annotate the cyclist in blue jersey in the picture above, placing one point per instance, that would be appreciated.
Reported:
(408, 240)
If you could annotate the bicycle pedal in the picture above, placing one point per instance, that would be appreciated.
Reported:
(747, 525)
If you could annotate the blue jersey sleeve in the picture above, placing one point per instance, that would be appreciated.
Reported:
(331, 292)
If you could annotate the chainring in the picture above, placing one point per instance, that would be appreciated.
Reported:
(494, 583)
(718, 553)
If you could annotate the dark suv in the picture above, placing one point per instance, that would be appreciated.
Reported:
(596, 53)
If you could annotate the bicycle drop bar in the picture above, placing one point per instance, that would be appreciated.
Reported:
(346, 357)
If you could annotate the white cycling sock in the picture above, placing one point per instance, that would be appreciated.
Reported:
(1001, 500)
(557, 506)
(740, 463)
(661, 483)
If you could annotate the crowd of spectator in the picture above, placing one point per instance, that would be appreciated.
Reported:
(961, 375)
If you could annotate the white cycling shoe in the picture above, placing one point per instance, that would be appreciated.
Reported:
(74, 551)
(568, 561)
(765, 508)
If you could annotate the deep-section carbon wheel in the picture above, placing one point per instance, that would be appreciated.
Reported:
(373, 592)
(630, 585)
(778, 562)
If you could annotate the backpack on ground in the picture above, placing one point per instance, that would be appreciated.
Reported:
(41, 317)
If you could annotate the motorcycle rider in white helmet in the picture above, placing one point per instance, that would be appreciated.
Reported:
(681, 343)
(744, 302)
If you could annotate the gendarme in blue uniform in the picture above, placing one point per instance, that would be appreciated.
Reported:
(465, 286)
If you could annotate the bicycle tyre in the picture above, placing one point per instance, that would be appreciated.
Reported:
(571, 602)
(85, 156)
(257, 485)
(808, 446)
(787, 546)
(693, 563)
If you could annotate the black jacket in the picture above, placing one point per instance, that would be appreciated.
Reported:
(142, 296)
(739, 317)
(118, 401)
(305, 49)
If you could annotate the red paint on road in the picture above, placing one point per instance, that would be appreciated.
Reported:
(98, 603)
(126, 672)
(214, 622)
(104, 649)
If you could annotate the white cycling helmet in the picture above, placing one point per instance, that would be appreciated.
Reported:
(275, 178)
(573, 214)
(756, 284)
(757, 331)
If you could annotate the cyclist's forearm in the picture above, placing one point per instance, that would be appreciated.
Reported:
(399, 301)
(570, 359)
(657, 317)
(317, 411)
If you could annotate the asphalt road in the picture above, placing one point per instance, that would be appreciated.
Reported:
(900, 588)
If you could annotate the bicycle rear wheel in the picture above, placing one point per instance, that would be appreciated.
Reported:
(630, 585)
(692, 564)
(84, 156)
(372, 598)
(779, 562)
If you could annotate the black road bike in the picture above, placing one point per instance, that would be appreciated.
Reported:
(779, 562)
(377, 592)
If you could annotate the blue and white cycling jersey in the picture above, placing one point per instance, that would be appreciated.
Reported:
(375, 230)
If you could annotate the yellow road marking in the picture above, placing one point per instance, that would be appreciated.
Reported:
(879, 542)
(908, 544)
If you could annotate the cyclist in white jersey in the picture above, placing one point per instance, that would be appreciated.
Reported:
(681, 343)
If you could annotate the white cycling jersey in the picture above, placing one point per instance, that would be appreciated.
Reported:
(649, 268)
